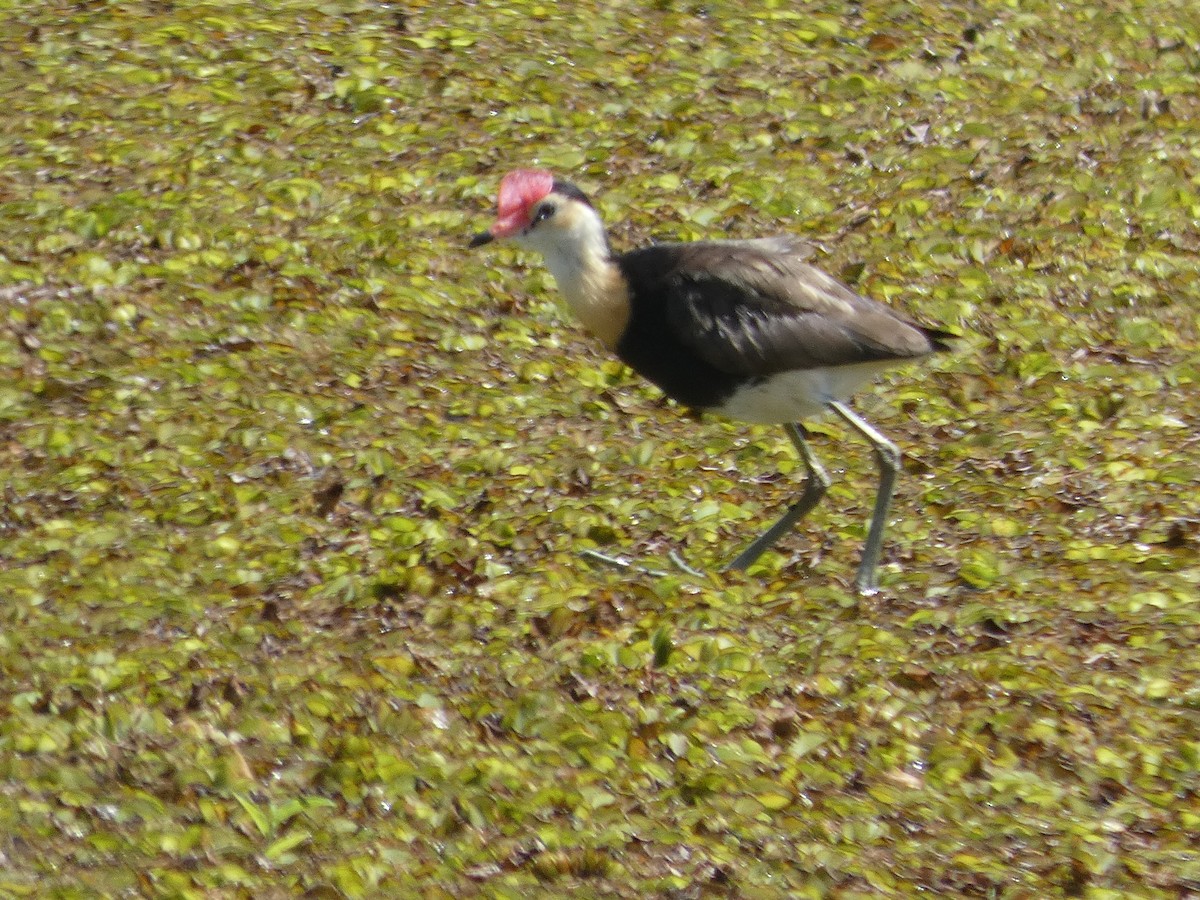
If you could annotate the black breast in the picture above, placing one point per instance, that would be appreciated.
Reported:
(650, 346)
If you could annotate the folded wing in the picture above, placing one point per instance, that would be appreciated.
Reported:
(757, 308)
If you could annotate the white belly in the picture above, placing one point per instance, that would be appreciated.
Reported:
(799, 394)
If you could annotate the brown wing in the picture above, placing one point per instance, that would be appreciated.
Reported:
(757, 308)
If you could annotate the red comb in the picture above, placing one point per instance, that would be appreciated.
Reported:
(519, 190)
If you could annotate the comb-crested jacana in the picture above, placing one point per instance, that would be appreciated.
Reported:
(745, 328)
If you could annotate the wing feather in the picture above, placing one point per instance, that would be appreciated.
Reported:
(758, 308)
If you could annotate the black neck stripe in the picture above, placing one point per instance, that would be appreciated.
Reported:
(569, 190)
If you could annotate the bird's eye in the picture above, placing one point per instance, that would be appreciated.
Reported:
(542, 213)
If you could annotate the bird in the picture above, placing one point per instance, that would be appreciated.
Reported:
(748, 329)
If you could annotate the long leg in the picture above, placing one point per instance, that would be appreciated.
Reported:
(888, 457)
(815, 486)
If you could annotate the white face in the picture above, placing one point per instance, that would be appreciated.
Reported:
(562, 228)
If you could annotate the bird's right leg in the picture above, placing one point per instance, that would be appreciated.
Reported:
(815, 486)
(888, 457)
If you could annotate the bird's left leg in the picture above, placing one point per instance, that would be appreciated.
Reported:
(815, 486)
(888, 457)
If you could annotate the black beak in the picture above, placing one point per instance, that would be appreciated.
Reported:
(484, 237)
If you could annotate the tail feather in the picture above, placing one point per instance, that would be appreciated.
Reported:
(939, 338)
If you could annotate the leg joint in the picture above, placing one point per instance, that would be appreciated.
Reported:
(819, 479)
(888, 455)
